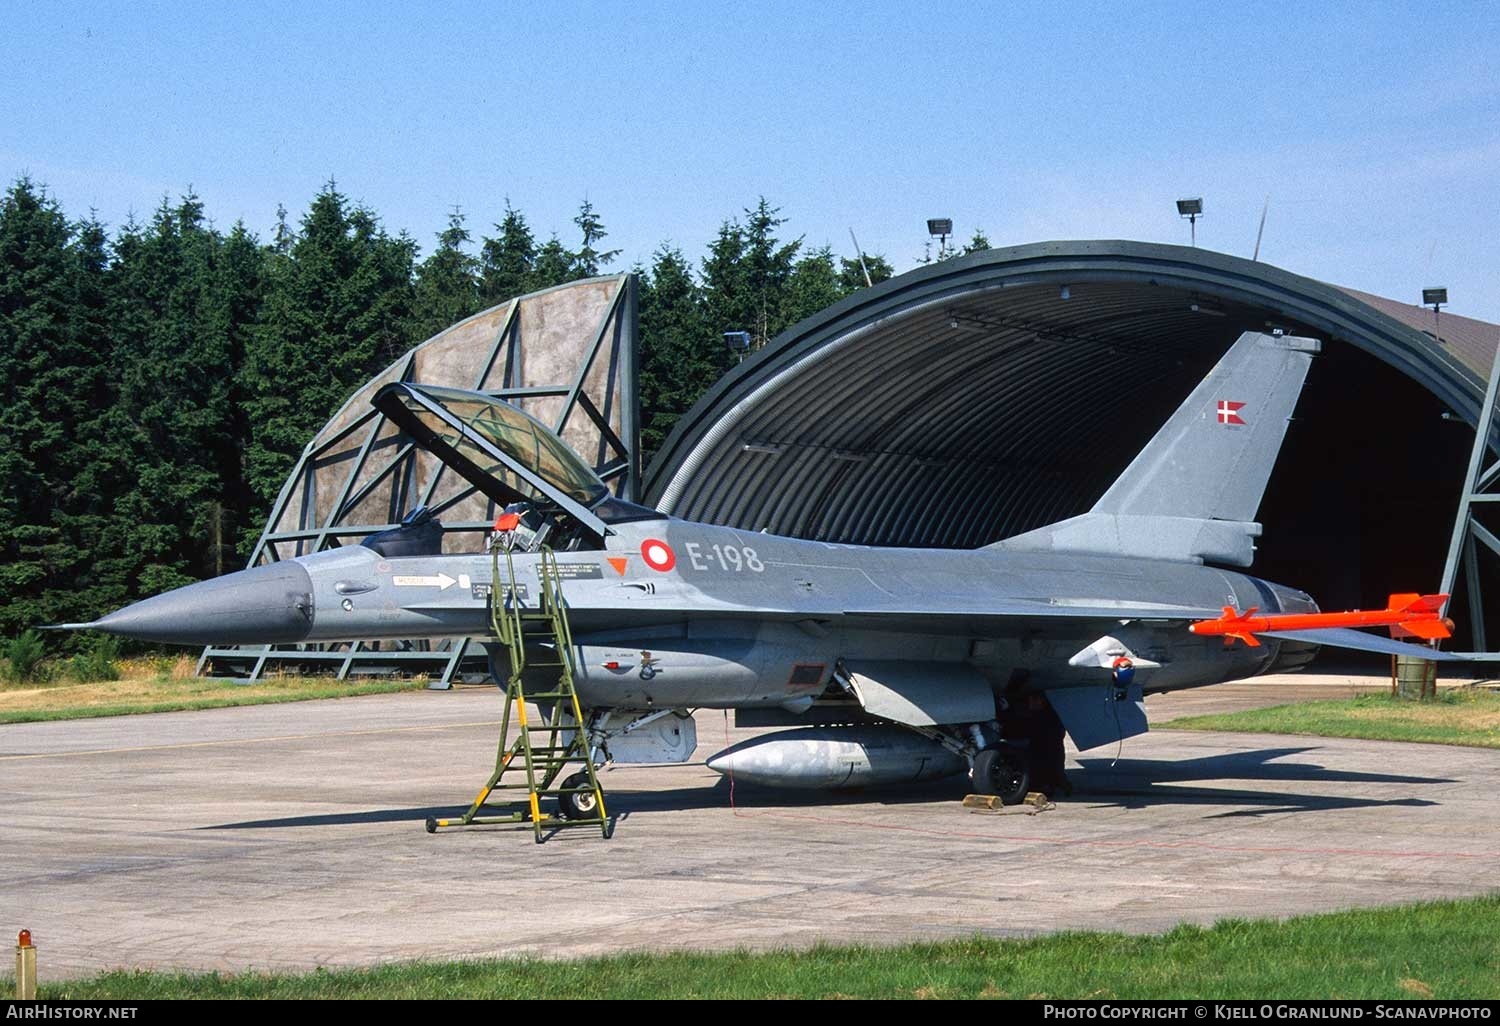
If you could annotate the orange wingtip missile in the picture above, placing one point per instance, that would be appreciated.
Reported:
(1407, 616)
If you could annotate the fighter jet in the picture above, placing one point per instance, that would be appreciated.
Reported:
(883, 664)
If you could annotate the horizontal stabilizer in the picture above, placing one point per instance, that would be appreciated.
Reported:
(1359, 641)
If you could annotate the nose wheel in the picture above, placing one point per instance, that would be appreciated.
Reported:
(1003, 771)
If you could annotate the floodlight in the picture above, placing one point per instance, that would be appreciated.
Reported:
(1435, 298)
(1192, 209)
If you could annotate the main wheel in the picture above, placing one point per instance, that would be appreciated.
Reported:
(1003, 771)
(577, 804)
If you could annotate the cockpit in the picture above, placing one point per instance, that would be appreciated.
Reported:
(512, 458)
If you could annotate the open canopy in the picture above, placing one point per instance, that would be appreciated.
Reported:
(505, 453)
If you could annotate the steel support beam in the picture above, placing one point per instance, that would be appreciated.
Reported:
(1466, 528)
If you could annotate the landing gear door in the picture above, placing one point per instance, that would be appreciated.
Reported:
(1102, 715)
(922, 694)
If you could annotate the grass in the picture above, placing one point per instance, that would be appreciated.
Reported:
(1443, 950)
(154, 685)
(1458, 716)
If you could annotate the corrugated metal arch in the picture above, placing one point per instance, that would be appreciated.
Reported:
(982, 396)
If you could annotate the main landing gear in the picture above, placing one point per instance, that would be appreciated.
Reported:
(1003, 771)
(1030, 758)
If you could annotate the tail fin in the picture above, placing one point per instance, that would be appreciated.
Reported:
(1411, 602)
(1429, 627)
(1192, 492)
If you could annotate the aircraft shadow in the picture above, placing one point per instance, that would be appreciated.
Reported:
(1138, 783)
(623, 803)
(419, 815)
(1103, 782)
(750, 796)
(1260, 803)
(1256, 765)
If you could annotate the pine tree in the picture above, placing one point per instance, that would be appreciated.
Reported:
(769, 263)
(978, 242)
(237, 518)
(852, 275)
(182, 312)
(813, 286)
(98, 468)
(506, 263)
(554, 266)
(447, 286)
(728, 304)
(588, 262)
(281, 241)
(336, 305)
(49, 373)
(680, 352)
(746, 274)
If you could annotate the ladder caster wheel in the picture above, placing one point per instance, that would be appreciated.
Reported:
(431, 825)
(579, 804)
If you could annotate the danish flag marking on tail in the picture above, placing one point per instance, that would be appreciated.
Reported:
(1229, 412)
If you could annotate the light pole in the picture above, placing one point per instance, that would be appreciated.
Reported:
(1435, 298)
(1192, 209)
(940, 228)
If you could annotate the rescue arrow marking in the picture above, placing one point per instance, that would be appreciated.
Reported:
(442, 582)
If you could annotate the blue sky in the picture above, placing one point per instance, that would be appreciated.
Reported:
(1374, 128)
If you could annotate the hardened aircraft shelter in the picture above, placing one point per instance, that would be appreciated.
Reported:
(564, 355)
(949, 407)
(987, 395)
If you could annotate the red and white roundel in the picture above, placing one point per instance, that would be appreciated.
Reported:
(658, 554)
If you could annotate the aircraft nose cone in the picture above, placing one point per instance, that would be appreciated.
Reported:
(270, 604)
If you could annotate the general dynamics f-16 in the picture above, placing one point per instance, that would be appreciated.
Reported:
(884, 664)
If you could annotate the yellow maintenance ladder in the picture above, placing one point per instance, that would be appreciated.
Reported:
(541, 750)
